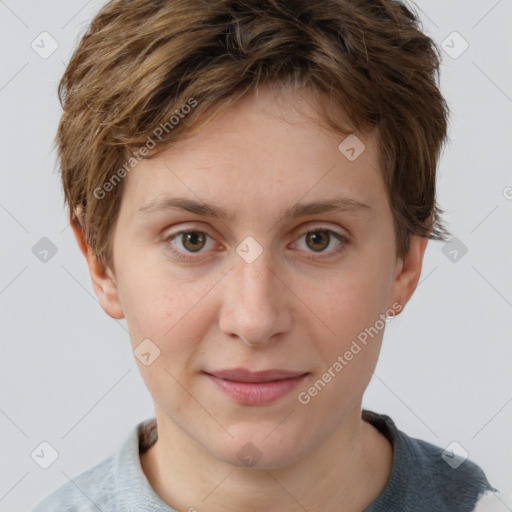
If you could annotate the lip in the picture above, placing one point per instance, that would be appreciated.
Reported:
(243, 375)
(256, 388)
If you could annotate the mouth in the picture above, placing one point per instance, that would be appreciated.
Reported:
(256, 388)
(243, 375)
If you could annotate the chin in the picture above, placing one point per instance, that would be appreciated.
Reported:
(258, 448)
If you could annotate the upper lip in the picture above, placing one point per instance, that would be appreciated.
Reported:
(243, 375)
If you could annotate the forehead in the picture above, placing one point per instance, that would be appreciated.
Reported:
(262, 151)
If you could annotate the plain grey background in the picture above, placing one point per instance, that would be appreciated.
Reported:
(68, 376)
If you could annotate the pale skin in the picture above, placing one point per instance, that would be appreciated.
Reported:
(283, 310)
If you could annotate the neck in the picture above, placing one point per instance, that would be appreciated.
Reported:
(347, 472)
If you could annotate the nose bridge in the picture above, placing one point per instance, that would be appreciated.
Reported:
(252, 308)
(254, 278)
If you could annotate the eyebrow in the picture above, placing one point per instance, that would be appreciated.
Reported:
(336, 204)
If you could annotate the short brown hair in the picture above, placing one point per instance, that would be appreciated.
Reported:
(141, 61)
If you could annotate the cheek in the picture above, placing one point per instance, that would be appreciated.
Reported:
(152, 298)
(353, 308)
(164, 313)
(167, 310)
(151, 304)
(348, 357)
(151, 308)
(352, 303)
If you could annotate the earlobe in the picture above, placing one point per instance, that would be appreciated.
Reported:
(103, 280)
(408, 273)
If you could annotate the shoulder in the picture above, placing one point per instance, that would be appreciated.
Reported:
(442, 478)
(111, 485)
(454, 478)
(425, 476)
(89, 491)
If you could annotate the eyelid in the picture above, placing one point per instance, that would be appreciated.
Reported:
(319, 226)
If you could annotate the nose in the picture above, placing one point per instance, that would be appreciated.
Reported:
(255, 304)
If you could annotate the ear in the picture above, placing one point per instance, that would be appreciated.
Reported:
(103, 279)
(408, 272)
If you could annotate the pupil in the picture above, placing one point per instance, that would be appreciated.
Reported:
(317, 238)
(194, 238)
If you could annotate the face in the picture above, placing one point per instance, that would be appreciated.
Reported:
(258, 288)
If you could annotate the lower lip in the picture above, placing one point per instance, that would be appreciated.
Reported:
(257, 393)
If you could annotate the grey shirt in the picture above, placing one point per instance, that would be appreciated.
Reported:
(421, 480)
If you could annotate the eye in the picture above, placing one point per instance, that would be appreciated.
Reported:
(319, 239)
(187, 242)
(191, 241)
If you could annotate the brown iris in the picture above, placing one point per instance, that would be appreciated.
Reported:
(318, 238)
(190, 239)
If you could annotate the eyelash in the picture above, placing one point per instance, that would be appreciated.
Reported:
(180, 255)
